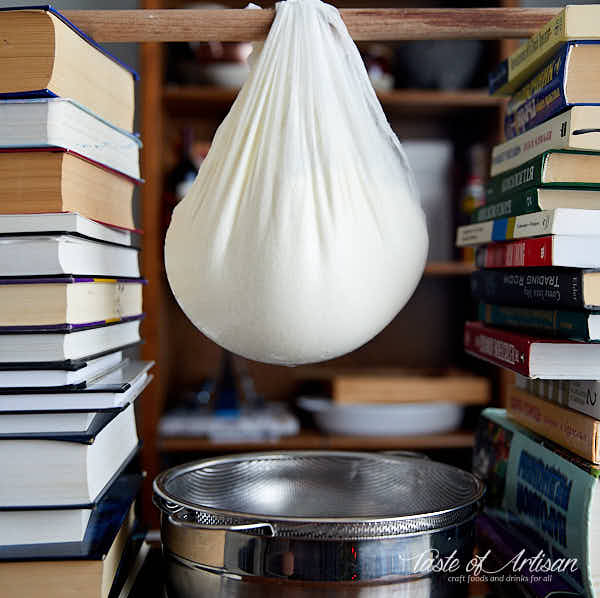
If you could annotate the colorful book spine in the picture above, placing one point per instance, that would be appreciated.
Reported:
(571, 430)
(528, 253)
(500, 347)
(559, 323)
(541, 98)
(527, 175)
(553, 287)
(502, 545)
(560, 221)
(561, 132)
(541, 492)
(525, 202)
(579, 395)
(510, 74)
(518, 179)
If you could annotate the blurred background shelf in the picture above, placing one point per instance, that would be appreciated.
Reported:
(453, 268)
(314, 440)
(188, 99)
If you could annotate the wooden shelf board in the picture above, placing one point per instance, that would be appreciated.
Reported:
(455, 268)
(314, 440)
(363, 24)
(194, 99)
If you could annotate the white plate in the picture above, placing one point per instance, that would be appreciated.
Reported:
(406, 419)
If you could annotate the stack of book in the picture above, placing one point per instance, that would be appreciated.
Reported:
(70, 311)
(537, 242)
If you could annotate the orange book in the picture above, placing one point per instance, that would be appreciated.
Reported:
(41, 181)
(570, 429)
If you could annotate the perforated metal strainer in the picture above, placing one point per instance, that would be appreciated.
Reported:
(319, 494)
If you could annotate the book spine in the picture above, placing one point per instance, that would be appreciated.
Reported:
(571, 430)
(497, 346)
(579, 395)
(518, 179)
(553, 134)
(503, 229)
(539, 492)
(503, 545)
(527, 253)
(565, 324)
(525, 202)
(541, 98)
(555, 287)
(512, 72)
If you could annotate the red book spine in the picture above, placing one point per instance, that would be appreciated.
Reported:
(535, 251)
(500, 347)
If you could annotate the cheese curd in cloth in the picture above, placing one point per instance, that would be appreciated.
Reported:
(303, 235)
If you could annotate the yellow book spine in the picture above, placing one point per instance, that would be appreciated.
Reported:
(523, 62)
(572, 430)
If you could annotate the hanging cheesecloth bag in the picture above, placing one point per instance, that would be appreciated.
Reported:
(303, 235)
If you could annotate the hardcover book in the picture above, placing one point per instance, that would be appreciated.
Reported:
(44, 54)
(570, 288)
(532, 356)
(581, 326)
(580, 395)
(550, 250)
(64, 223)
(567, 80)
(554, 168)
(79, 375)
(547, 496)
(571, 23)
(63, 473)
(97, 570)
(502, 545)
(116, 389)
(60, 300)
(63, 533)
(537, 200)
(66, 346)
(575, 129)
(44, 180)
(59, 426)
(572, 430)
(29, 255)
(561, 221)
(60, 123)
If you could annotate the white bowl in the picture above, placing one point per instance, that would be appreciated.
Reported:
(402, 419)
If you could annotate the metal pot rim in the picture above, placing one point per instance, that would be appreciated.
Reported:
(170, 504)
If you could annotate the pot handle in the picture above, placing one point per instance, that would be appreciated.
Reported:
(245, 527)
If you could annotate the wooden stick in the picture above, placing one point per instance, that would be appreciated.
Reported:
(363, 24)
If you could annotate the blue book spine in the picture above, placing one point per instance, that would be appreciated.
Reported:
(498, 77)
(540, 98)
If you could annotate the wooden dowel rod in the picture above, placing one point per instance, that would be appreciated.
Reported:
(363, 23)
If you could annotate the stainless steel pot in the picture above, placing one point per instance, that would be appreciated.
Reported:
(315, 523)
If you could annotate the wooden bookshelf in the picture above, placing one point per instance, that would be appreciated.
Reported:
(313, 440)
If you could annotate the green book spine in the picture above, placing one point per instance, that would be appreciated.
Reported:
(529, 175)
(561, 323)
(516, 204)
(524, 177)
